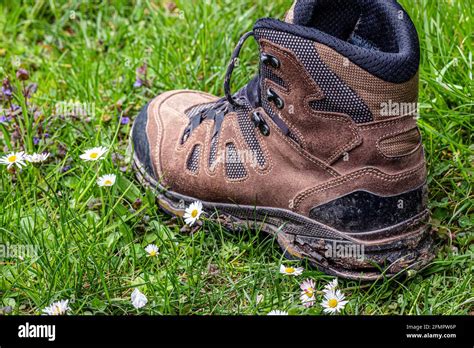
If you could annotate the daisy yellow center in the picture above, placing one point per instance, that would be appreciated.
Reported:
(194, 213)
(12, 159)
(56, 310)
(289, 270)
(309, 292)
(94, 155)
(108, 182)
(153, 253)
(332, 303)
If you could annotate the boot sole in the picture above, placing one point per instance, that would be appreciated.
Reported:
(366, 256)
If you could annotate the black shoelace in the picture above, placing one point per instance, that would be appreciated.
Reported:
(249, 95)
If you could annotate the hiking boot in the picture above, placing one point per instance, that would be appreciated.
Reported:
(321, 149)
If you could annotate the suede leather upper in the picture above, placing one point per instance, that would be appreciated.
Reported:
(329, 156)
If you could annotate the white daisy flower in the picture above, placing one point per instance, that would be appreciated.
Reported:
(307, 292)
(331, 286)
(306, 300)
(333, 302)
(57, 308)
(192, 213)
(277, 312)
(152, 250)
(295, 271)
(308, 287)
(94, 154)
(138, 299)
(14, 158)
(106, 180)
(37, 157)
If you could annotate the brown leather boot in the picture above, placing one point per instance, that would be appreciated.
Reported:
(321, 149)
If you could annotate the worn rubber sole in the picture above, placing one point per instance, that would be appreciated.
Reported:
(360, 256)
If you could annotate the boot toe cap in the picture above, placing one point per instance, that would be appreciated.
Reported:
(168, 113)
(141, 144)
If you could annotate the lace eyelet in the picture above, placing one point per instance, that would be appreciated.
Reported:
(279, 103)
(275, 98)
(264, 129)
(186, 134)
(256, 118)
(268, 59)
(270, 94)
(260, 123)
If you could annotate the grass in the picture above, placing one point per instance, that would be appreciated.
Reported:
(91, 240)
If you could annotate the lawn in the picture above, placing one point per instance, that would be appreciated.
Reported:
(94, 65)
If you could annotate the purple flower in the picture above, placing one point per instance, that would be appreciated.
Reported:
(137, 204)
(14, 111)
(36, 140)
(30, 90)
(38, 115)
(7, 90)
(141, 70)
(140, 76)
(22, 74)
(3, 119)
(138, 83)
(125, 120)
(66, 168)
